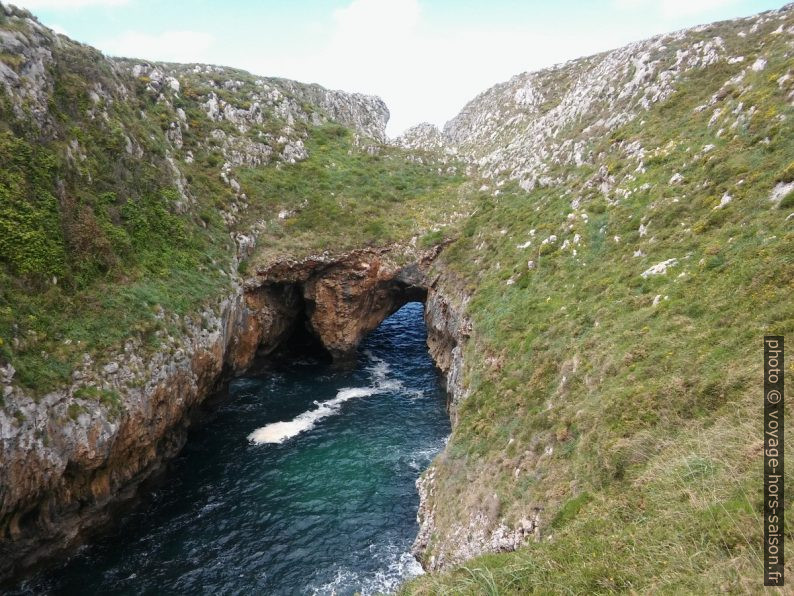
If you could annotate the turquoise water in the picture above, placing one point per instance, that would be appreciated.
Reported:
(330, 509)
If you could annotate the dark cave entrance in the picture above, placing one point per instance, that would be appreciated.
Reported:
(302, 339)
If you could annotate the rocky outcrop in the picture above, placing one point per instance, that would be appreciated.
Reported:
(474, 535)
(68, 456)
(526, 127)
(448, 329)
(29, 50)
(423, 137)
(346, 298)
(475, 531)
(365, 113)
(255, 120)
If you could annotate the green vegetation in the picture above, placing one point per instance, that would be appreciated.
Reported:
(627, 408)
(91, 237)
(624, 407)
(109, 398)
(30, 238)
(81, 271)
(96, 238)
(344, 197)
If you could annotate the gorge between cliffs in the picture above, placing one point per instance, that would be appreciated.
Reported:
(328, 506)
(95, 462)
(551, 308)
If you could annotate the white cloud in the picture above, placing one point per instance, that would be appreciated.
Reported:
(375, 20)
(65, 4)
(671, 9)
(168, 46)
(369, 46)
(387, 48)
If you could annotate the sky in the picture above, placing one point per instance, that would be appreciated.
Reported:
(425, 58)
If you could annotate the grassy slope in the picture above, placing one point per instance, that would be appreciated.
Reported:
(180, 263)
(101, 224)
(651, 413)
(105, 225)
(652, 482)
(343, 198)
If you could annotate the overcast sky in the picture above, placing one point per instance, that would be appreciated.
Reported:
(425, 58)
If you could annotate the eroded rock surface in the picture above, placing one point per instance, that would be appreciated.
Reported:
(75, 452)
(349, 297)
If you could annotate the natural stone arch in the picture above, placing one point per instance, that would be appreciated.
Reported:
(344, 298)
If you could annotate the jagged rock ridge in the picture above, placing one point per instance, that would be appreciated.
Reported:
(519, 129)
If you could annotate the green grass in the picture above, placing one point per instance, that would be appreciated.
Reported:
(94, 240)
(108, 398)
(633, 427)
(343, 197)
(85, 256)
(650, 412)
(56, 328)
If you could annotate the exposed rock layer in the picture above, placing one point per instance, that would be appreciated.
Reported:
(448, 329)
(348, 297)
(524, 128)
(436, 546)
(75, 455)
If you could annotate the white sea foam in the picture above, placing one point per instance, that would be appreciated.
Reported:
(278, 432)
(421, 458)
(396, 568)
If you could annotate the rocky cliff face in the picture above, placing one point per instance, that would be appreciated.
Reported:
(239, 104)
(79, 450)
(130, 143)
(448, 331)
(523, 128)
(347, 298)
(87, 142)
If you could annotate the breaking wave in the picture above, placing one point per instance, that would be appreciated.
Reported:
(278, 432)
(331, 511)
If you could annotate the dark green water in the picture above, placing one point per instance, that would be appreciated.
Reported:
(331, 509)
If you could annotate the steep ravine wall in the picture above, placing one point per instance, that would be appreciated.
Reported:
(439, 546)
(448, 329)
(70, 458)
(69, 455)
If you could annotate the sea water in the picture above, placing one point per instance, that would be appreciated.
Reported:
(301, 482)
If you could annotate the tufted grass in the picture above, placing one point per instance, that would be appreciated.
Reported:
(344, 196)
(94, 240)
(634, 427)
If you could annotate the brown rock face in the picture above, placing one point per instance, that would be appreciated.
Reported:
(66, 459)
(346, 298)
(70, 458)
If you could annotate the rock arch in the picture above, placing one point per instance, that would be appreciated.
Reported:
(338, 299)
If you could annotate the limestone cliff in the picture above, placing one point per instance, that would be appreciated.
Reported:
(124, 173)
(621, 214)
(74, 452)
(521, 129)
